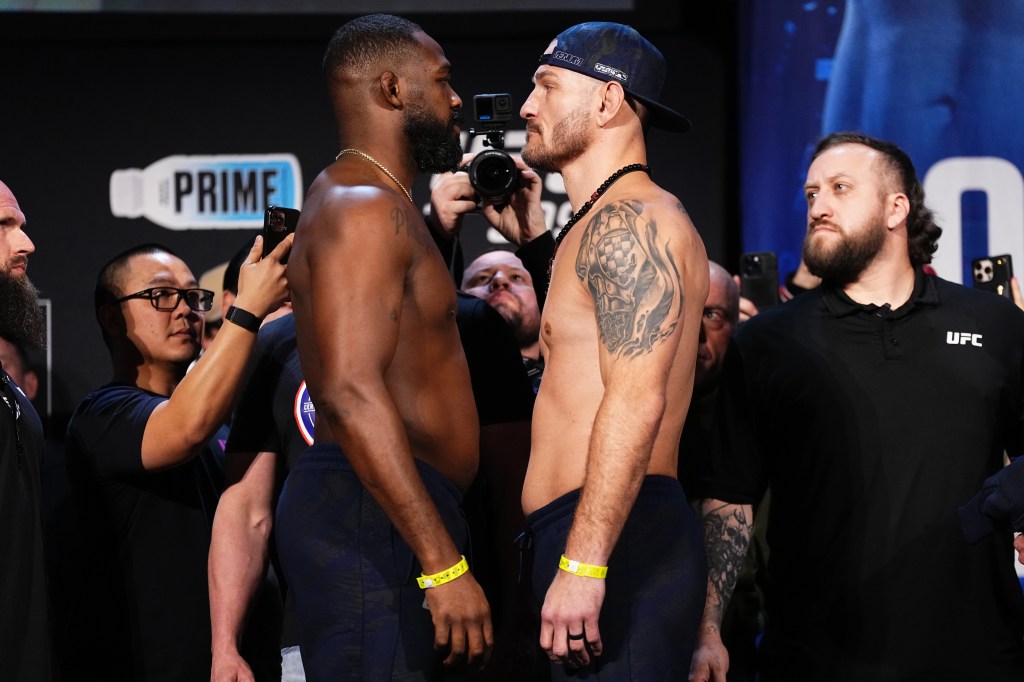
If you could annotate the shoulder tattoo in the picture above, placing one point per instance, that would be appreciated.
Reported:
(632, 277)
(400, 220)
(406, 227)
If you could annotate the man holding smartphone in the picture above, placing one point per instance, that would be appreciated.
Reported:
(144, 479)
(872, 422)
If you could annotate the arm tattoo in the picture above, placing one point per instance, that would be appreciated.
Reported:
(726, 538)
(634, 280)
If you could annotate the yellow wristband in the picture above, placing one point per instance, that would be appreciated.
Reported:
(586, 570)
(445, 576)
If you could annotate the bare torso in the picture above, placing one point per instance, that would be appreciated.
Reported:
(385, 278)
(574, 384)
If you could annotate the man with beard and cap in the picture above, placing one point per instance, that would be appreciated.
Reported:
(24, 623)
(618, 561)
(874, 406)
(369, 528)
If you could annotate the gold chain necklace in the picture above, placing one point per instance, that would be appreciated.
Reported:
(378, 164)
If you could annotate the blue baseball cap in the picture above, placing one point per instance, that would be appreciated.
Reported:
(616, 52)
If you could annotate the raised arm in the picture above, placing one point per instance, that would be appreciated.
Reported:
(181, 426)
(640, 302)
(520, 220)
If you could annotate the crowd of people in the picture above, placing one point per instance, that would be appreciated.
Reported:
(586, 458)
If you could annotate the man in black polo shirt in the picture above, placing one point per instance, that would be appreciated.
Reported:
(874, 406)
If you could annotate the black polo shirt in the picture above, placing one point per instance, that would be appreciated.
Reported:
(872, 426)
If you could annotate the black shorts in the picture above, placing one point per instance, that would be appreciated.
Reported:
(657, 580)
(361, 614)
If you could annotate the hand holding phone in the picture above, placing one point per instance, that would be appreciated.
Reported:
(278, 223)
(759, 279)
(993, 273)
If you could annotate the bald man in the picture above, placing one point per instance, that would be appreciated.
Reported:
(501, 279)
(24, 632)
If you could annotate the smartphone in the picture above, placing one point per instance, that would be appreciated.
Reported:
(278, 223)
(993, 274)
(759, 278)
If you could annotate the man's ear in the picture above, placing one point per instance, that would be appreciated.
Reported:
(389, 88)
(30, 384)
(613, 98)
(227, 299)
(899, 209)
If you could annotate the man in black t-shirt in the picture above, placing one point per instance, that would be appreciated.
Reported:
(874, 406)
(143, 479)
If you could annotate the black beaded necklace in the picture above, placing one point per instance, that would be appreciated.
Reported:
(589, 204)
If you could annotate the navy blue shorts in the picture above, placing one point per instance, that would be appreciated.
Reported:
(361, 614)
(657, 579)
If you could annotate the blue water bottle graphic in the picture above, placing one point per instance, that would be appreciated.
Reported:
(218, 191)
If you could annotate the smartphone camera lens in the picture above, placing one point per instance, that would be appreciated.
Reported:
(277, 221)
(983, 271)
(752, 266)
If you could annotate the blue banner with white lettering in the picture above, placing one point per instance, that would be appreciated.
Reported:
(943, 80)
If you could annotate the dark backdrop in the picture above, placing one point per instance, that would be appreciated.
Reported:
(87, 94)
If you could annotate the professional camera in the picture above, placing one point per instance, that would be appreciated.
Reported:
(492, 172)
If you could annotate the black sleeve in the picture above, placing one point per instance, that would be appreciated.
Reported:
(736, 471)
(109, 426)
(536, 256)
(253, 428)
(501, 387)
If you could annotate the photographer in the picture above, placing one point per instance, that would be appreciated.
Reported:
(519, 219)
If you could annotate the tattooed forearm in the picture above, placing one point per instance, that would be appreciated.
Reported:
(633, 279)
(726, 538)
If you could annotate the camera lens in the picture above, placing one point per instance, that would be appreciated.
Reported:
(493, 174)
(752, 266)
(276, 220)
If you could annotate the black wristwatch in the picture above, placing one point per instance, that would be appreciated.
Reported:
(244, 319)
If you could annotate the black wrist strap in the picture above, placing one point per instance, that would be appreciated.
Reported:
(244, 319)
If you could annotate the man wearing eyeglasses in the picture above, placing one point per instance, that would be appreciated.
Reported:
(144, 481)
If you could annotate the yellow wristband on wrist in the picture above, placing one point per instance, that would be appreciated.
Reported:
(586, 570)
(446, 576)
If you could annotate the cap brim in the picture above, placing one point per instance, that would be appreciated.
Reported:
(664, 118)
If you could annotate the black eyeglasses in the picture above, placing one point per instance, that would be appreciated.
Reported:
(167, 299)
